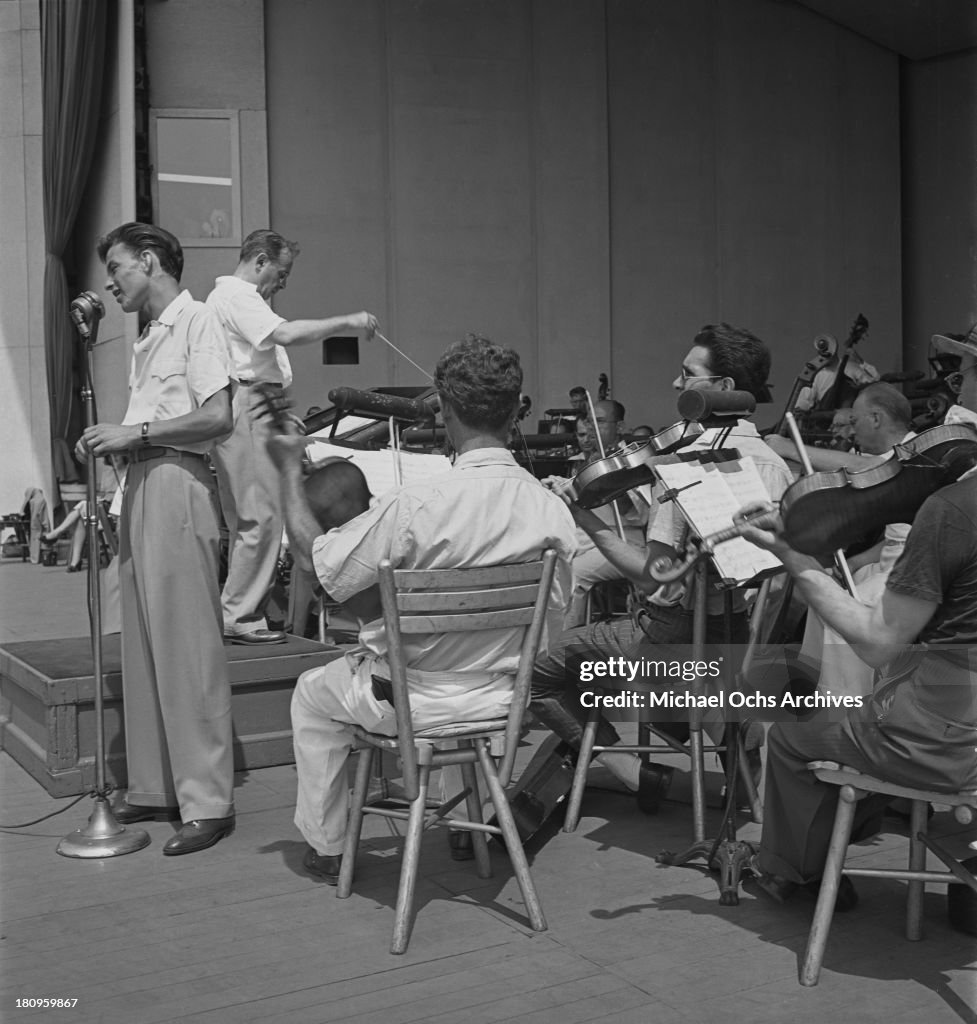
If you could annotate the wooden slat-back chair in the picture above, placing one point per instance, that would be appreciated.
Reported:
(442, 601)
(854, 787)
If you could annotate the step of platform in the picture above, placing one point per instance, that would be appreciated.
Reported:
(47, 706)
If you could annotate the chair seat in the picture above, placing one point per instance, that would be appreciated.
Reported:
(842, 775)
(452, 731)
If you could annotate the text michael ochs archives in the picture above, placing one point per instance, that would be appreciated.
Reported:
(646, 683)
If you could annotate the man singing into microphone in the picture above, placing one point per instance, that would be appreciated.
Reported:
(176, 694)
(246, 477)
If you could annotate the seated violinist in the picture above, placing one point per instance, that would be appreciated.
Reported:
(918, 727)
(589, 564)
(721, 358)
(485, 511)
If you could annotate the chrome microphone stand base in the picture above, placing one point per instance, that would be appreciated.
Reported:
(103, 836)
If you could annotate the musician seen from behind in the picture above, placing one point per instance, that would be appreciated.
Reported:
(485, 511)
(176, 694)
(721, 358)
(918, 727)
(257, 338)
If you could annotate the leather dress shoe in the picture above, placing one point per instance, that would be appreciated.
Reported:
(653, 782)
(198, 835)
(256, 637)
(461, 845)
(129, 814)
(323, 865)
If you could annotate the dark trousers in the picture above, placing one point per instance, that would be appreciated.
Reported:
(666, 634)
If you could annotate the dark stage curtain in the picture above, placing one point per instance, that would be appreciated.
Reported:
(72, 57)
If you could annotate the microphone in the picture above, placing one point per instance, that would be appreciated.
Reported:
(703, 404)
(85, 311)
(352, 400)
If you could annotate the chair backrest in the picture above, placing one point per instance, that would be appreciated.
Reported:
(511, 596)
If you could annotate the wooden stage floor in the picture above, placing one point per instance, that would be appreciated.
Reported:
(238, 933)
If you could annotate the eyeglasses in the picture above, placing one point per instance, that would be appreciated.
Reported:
(686, 376)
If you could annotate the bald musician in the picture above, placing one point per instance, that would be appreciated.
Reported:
(918, 726)
(721, 358)
(485, 511)
(257, 338)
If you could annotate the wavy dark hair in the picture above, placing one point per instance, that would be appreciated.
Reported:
(139, 237)
(269, 242)
(481, 381)
(735, 352)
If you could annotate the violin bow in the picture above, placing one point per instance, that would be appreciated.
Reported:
(618, 522)
(839, 556)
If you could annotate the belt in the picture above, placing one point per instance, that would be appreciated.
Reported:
(155, 451)
(383, 689)
(265, 383)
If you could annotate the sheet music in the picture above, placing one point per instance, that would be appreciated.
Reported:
(718, 491)
(378, 467)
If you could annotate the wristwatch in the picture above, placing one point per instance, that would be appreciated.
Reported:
(144, 435)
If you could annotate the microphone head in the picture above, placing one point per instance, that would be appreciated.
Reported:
(88, 306)
(704, 403)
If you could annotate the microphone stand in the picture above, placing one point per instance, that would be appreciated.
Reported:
(103, 836)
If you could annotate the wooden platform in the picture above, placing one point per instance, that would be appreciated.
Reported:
(47, 720)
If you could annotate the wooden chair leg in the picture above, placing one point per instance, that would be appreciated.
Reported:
(580, 772)
(513, 843)
(917, 862)
(821, 924)
(404, 919)
(354, 825)
(474, 804)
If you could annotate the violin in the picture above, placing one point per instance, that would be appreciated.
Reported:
(831, 510)
(825, 512)
(610, 478)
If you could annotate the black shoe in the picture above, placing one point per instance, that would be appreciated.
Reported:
(780, 889)
(129, 814)
(198, 835)
(461, 845)
(323, 865)
(73, 568)
(256, 637)
(653, 782)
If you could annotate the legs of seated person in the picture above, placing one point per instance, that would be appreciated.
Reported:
(326, 700)
(555, 693)
(798, 810)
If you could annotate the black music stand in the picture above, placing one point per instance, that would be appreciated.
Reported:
(725, 853)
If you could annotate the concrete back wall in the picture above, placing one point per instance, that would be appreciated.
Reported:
(589, 181)
(940, 199)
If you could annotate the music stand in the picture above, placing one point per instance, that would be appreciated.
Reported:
(725, 853)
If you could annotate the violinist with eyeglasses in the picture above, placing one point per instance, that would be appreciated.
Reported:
(919, 726)
(721, 358)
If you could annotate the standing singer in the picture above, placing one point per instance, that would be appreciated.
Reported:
(176, 694)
